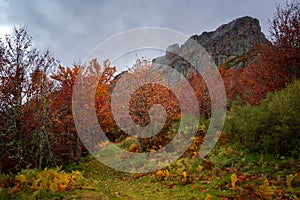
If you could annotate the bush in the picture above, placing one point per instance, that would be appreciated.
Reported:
(271, 127)
(54, 180)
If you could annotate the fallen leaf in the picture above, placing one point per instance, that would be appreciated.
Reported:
(233, 179)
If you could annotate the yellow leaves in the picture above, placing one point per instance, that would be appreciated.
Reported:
(184, 177)
(184, 174)
(76, 172)
(208, 197)
(199, 168)
(21, 178)
(164, 174)
(159, 173)
(167, 174)
(195, 154)
(49, 179)
(266, 190)
(233, 180)
(202, 128)
(152, 150)
(104, 144)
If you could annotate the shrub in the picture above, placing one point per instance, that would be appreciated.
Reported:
(271, 127)
(53, 180)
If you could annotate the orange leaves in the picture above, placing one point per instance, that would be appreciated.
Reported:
(137, 94)
(148, 95)
(62, 117)
(202, 94)
(266, 73)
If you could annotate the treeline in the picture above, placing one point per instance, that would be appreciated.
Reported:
(36, 122)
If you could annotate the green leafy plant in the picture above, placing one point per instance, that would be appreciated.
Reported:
(270, 127)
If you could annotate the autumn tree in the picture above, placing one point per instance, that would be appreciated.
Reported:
(285, 36)
(276, 64)
(64, 135)
(106, 74)
(202, 94)
(24, 83)
(138, 101)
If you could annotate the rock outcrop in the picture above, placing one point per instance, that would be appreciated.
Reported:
(229, 41)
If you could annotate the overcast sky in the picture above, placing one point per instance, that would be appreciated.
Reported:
(71, 28)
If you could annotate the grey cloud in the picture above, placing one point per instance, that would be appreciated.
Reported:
(72, 28)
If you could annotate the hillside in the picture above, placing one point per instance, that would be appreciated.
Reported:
(168, 137)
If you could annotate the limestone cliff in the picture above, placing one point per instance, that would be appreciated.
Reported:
(229, 41)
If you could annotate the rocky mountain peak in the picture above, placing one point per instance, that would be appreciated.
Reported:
(228, 41)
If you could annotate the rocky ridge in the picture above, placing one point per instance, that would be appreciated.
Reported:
(229, 41)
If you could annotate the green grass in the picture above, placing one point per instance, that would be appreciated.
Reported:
(252, 170)
(211, 182)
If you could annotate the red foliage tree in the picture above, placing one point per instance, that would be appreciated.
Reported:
(64, 130)
(151, 92)
(24, 86)
(285, 36)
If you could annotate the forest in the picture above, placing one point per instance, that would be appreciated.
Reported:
(257, 155)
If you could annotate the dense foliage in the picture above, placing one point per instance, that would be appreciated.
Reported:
(271, 127)
(25, 102)
(36, 122)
